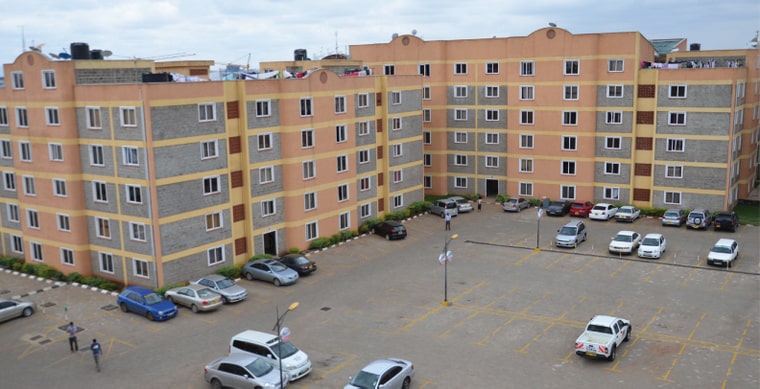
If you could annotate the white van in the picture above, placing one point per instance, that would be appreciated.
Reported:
(295, 363)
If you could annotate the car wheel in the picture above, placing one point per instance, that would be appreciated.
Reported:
(123, 307)
(407, 383)
(276, 282)
(612, 353)
(194, 308)
(249, 276)
(27, 312)
(387, 236)
(225, 300)
(216, 384)
(628, 335)
(150, 316)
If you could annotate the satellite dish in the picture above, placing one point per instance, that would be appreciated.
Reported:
(106, 53)
(64, 55)
(552, 24)
(54, 55)
(394, 36)
(414, 32)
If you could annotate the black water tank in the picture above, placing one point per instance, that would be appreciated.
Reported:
(300, 54)
(96, 54)
(80, 50)
(695, 47)
(157, 77)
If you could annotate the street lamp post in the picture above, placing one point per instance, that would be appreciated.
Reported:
(444, 258)
(280, 319)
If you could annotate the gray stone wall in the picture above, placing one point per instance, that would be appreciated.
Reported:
(452, 146)
(499, 124)
(369, 139)
(410, 126)
(185, 234)
(181, 121)
(89, 201)
(484, 147)
(194, 266)
(411, 100)
(625, 195)
(694, 150)
(273, 154)
(718, 96)
(130, 171)
(110, 76)
(132, 209)
(260, 221)
(184, 159)
(411, 152)
(625, 126)
(114, 242)
(86, 133)
(501, 100)
(626, 144)
(259, 189)
(369, 110)
(625, 101)
(264, 121)
(187, 196)
(451, 123)
(371, 166)
(133, 246)
(372, 192)
(693, 178)
(451, 98)
(412, 177)
(107, 170)
(258, 241)
(697, 123)
(689, 200)
(624, 178)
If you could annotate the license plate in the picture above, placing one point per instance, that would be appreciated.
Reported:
(590, 354)
(717, 225)
(696, 227)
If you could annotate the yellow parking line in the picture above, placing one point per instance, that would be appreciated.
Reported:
(659, 311)
(686, 280)
(728, 279)
(525, 258)
(652, 273)
(586, 265)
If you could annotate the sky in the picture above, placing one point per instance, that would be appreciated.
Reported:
(248, 32)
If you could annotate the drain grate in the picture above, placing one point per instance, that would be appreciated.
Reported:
(35, 337)
(326, 309)
(4, 291)
(48, 305)
(109, 307)
(46, 341)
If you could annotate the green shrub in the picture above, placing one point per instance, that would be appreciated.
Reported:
(230, 271)
(45, 271)
(397, 215)
(419, 207)
(162, 290)
(110, 286)
(7, 262)
(335, 238)
(346, 235)
(17, 266)
(653, 211)
(29, 268)
(260, 256)
(73, 277)
(319, 243)
(294, 250)
(501, 198)
(535, 202)
(363, 229)
(93, 281)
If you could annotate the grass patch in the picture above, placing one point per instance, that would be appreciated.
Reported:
(748, 214)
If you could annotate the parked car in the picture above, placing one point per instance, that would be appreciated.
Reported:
(391, 373)
(581, 208)
(724, 253)
(515, 204)
(652, 246)
(463, 205)
(571, 234)
(196, 297)
(269, 270)
(699, 219)
(559, 208)
(145, 302)
(627, 213)
(390, 229)
(603, 211)
(602, 337)
(674, 217)
(625, 242)
(439, 207)
(295, 362)
(726, 220)
(13, 308)
(299, 263)
(230, 291)
(243, 371)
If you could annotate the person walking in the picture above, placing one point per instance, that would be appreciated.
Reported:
(447, 217)
(72, 331)
(480, 203)
(96, 351)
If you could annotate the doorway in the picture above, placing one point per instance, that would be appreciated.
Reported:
(492, 187)
(270, 242)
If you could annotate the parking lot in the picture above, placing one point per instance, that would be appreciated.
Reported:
(513, 317)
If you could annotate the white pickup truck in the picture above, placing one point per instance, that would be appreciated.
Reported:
(602, 337)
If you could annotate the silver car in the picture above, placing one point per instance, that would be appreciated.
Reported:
(10, 309)
(196, 297)
(230, 291)
(270, 270)
(515, 204)
(391, 373)
(243, 371)
(674, 217)
(463, 205)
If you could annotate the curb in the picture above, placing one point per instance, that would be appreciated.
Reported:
(55, 284)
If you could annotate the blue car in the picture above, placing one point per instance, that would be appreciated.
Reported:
(146, 302)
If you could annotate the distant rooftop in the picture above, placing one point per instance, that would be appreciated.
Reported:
(665, 46)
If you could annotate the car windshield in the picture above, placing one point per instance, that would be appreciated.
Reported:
(651, 242)
(721, 249)
(287, 349)
(152, 298)
(259, 368)
(623, 238)
(567, 231)
(365, 380)
(225, 283)
(557, 204)
(278, 267)
(625, 210)
(398, 228)
(205, 293)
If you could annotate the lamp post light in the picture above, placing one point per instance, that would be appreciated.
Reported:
(444, 258)
(282, 333)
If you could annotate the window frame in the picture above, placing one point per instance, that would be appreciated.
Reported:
(460, 69)
(138, 232)
(130, 156)
(671, 145)
(572, 67)
(140, 268)
(527, 141)
(206, 112)
(527, 68)
(209, 149)
(52, 116)
(307, 138)
(309, 169)
(266, 174)
(341, 162)
(96, 155)
(674, 171)
(490, 136)
(569, 143)
(527, 92)
(491, 91)
(672, 197)
(309, 201)
(676, 118)
(677, 91)
(268, 207)
(48, 79)
(611, 193)
(615, 65)
(615, 91)
(264, 141)
(492, 68)
(263, 108)
(212, 185)
(491, 161)
(128, 116)
(340, 104)
(526, 165)
(525, 188)
(571, 92)
(568, 167)
(612, 168)
(133, 194)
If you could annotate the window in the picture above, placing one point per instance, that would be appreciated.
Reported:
(309, 170)
(398, 201)
(59, 187)
(427, 182)
(22, 118)
(266, 174)
(4, 117)
(67, 256)
(677, 118)
(52, 117)
(526, 68)
(398, 176)
(342, 162)
(615, 65)
(676, 145)
(342, 192)
(460, 182)
(56, 151)
(460, 114)
(211, 185)
(460, 91)
(306, 106)
(423, 69)
(312, 230)
(677, 91)
(526, 165)
(29, 187)
(460, 137)
(63, 222)
(492, 138)
(206, 112)
(264, 141)
(395, 124)
(99, 191)
(492, 161)
(137, 231)
(526, 189)
(340, 104)
(96, 155)
(614, 117)
(307, 138)
(673, 198)
(427, 115)
(567, 192)
(395, 98)
(363, 156)
(263, 108)
(674, 171)
(492, 115)
(389, 70)
(93, 117)
(614, 91)
(106, 262)
(128, 116)
(134, 194)
(526, 117)
(341, 134)
(365, 210)
(364, 184)
(214, 221)
(215, 255)
(267, 208)
(103, 228)
(427, 137)
(140, 268)
(569, 143)
(130, 157)
(612, 142)
(13, 213)
(426, 93)
(396, 150)
(36, 249)
(611, 193)
(491, 91)
(363, 128)
(570, 118)
(9, 181)
(362, 100)
(571, 92)
(526, 92)
(526, 141)
(460, 68)
(427, 160)
(17, 244)
(25, 149)
(33, 219)
(492, 68)
(17, 80)
(209, 149)
(309, 201)
(612, 168)
(572, 67)
(345, 220)
(460, 160)
(48, 79)
(568, 167)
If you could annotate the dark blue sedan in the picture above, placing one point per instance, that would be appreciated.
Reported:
(146, 302)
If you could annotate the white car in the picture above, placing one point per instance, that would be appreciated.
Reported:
(652, 246)
(724, 253)
(463, 204)
(625, 242)
(627, 213)
(603, 211)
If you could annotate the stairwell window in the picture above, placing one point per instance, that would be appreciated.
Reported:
(460, 68)
(572, 67)
(206, 112)
(306, 106)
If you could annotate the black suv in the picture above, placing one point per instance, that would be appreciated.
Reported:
(726, 220)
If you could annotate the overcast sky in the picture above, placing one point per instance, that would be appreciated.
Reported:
(269, 30)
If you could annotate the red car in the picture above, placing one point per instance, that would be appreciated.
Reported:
(581, 208)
